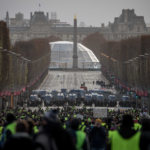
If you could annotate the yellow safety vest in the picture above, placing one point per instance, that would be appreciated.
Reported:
(137, 126)
(80, 136)
(12, 128)
(119, 143)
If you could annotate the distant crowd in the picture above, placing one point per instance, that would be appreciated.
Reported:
(74, 129)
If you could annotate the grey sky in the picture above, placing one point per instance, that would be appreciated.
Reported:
(92, 12)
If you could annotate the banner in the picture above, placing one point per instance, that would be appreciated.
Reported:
(99, 112)
(79, 116)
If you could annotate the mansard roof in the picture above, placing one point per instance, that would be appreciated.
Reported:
(39, 17)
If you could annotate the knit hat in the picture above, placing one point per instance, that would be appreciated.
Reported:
(51, 116)
(98, 120)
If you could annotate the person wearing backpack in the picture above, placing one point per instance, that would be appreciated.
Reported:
(98, 136)
(53, 136)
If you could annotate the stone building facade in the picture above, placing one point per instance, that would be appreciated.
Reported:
(128, 24)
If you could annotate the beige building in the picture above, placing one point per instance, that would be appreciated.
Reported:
(128, 24)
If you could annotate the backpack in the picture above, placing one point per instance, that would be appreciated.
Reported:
(44, 142)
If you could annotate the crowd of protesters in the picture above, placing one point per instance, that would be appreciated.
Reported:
(74, 129)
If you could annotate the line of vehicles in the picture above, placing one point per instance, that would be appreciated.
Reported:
(73, 97)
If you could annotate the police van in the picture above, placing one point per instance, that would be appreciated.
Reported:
(111, 97)
(48, 99)
(72, 97)
(34, 99)
(100, 97)
(60, 96)
(94, 96)
(88, 97)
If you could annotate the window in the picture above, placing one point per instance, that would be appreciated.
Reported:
(138, 29)
(122, 27)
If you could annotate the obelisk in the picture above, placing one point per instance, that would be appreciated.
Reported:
(75, 56)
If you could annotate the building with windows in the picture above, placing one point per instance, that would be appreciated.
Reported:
(62, 52)
(128, 24)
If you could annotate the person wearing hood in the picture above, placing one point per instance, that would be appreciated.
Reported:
(21, 139)
(145, 134)
(126, 138)
(53, 136)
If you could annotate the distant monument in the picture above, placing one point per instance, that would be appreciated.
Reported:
(75, 56)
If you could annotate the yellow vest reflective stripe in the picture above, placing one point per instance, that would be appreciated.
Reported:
(1, 129)
(80, 136)
(83, 128)
(79, 127)
(119, 143)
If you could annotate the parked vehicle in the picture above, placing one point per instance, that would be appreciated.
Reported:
(60, 96)
(100, 97)
(42, 92)
(72, 97)
(33, 97)
(54, 93)
(34, 100)
(94, 96)
(48, 99)
(125, 98)
(34, 92)
(88, 97)
(80, 92)
(112, 97)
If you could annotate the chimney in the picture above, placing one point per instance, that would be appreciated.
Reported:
(7, 19)
(31, 16)
(102, 25)
(47, 15)
(125, 15)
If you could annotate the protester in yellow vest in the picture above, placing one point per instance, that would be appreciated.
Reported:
(124, 138)
(11, 127)
(81, 139)
(1, 129)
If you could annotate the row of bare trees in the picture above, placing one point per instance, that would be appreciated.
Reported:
(128, 59)
(4, 58)
(23, 63)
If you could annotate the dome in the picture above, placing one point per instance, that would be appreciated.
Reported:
(39, 17)
(62, 52)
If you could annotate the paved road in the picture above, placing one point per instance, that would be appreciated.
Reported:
(71, 80)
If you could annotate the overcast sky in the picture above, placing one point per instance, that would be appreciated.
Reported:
(92, 12)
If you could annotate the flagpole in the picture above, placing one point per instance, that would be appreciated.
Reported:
(39, 7)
